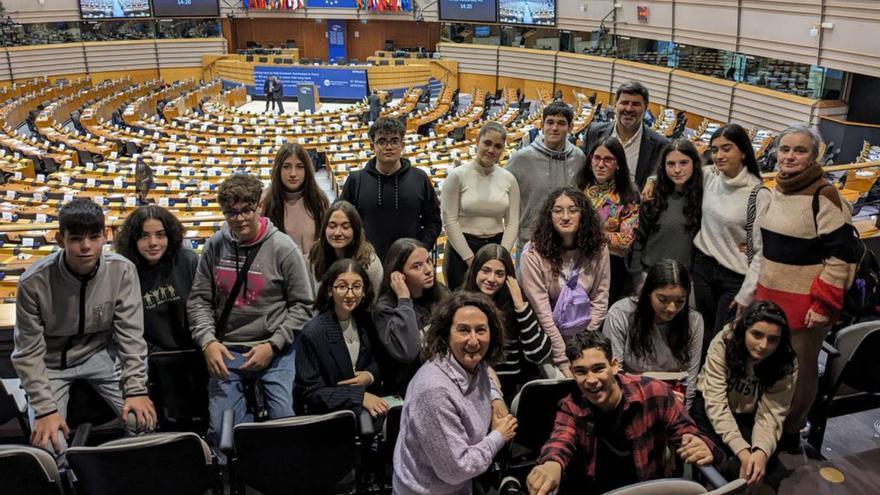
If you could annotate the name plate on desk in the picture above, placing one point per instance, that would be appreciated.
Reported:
(163, 201)
(118, 183)
(175, 185)
(90, 182)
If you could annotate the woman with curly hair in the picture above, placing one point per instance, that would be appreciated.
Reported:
(342, 236)
(746, 387)
(669, 221)
(567, 251)
(607, 184)
(294, 201)
(443, 444)
(152, 238)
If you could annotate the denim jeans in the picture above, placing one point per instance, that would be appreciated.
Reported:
(277, 382)
(715, 286)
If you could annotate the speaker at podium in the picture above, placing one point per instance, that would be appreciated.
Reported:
(307, 97)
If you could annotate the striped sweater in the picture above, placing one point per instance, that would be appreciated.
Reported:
(799, 268)
(530, 344)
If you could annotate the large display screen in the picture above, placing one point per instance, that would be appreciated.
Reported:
(468, 10)
(338, 84)
(527, 12)
(114, 9)
(186, 8)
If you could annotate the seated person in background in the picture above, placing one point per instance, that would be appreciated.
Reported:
(152, 239)
(342, 236)
(524, 341)
(250, 297)
(401, 314)
(335, 367)
(617, 428)
(76, 311)
(443, 445)
(745, 389)
(658, 331)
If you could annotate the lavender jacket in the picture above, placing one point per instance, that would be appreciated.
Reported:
(444, 440)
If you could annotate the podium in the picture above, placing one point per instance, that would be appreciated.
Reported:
(307, 97)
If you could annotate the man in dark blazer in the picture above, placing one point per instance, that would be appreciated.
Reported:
(269, 91)
(279, 94)
(641, 144)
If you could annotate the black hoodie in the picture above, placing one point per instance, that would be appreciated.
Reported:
(403, 204)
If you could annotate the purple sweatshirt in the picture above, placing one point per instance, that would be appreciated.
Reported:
(443, 443)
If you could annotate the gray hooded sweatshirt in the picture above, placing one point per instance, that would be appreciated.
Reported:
(274, 301)
(61, 320)
(540, 171)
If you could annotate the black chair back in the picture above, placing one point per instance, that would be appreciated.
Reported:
(298, 455)
(162, 463)
(87, 406)
(535, 410)
(862, 372)
(28, 470)
(178, 386)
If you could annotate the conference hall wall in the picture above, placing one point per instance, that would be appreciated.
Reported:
(362, 39)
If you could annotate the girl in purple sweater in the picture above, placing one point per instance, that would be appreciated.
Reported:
(443, 445)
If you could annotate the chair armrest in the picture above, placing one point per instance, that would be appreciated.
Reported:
(367, 424)
(830, 350)
(226, 431)
(712, 476)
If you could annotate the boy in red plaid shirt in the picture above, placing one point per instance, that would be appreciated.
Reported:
(617, 428)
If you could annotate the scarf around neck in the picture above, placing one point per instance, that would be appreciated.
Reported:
(789, 184)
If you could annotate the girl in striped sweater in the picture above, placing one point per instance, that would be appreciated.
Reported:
(525, 343)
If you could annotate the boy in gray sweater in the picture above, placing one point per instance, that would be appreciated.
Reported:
(77, 311)
(270, 306)
(547, 164)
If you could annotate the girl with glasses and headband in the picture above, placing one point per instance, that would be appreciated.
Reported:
(335, 368)
(607, 184)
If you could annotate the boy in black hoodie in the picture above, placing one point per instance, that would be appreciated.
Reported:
(394, 199)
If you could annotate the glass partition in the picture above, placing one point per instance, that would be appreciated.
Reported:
(188, 28)
(118, 30)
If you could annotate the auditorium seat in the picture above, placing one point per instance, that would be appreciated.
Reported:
(178, 386)
(26, 470)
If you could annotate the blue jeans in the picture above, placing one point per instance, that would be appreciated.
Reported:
(277, 382)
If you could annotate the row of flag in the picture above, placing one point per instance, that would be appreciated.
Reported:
(371, 5)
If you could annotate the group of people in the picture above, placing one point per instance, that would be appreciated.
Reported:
(273, 89)
(565, 263)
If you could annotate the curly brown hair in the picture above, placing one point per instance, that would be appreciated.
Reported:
(240, 188)
(126, 240)
(443, 314)
(547, 242)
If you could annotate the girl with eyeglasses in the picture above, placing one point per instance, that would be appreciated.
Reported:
(294, 201)
(567, 254)
(607, 184)
(409, 292)
(335, 367)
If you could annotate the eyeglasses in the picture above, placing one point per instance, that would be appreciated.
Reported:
(384, 143)
(342, 289)
(605, 160)
(572, 210)
(245, 212)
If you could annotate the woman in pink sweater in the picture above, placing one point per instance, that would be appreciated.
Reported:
(567, 237)
(293, 201)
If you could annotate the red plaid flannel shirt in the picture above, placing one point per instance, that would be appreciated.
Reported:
(655, 417)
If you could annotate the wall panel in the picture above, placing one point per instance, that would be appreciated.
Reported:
(581, 15)
(766, 109)
(473, 59)
(46, 60)
(527, 64)
(846, 46)
(5, 75)
(709, 23)
(187, 53)
(657, 27)
(584, 71)
(105, 57)
(701, 95)
(27, 11)
(780, 29)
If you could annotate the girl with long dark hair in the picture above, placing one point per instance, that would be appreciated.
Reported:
(152, 238)
(342, 236)
(669, 221)
(408, 293)
(491, 273)
(294, 201)
(567, 248)
(324, 382)
(746, 387)
(657, 330)
(607, 184)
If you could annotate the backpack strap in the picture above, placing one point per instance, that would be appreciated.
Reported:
(236, 288)
(816, 194)
(751, 214)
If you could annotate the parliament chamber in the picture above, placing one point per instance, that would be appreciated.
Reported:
(94, 93)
